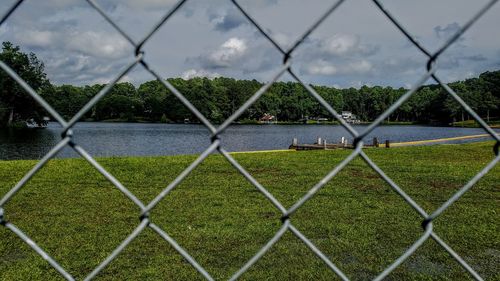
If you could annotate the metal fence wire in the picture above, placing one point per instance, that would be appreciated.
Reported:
(287, 214)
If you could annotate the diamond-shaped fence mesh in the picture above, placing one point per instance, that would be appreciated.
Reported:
(287, 214)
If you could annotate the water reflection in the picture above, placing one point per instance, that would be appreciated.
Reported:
(26, 144)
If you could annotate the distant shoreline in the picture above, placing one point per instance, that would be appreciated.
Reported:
(467, 124)
(251, 122)
(495, 124)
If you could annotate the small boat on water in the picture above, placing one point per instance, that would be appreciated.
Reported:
(32, 124)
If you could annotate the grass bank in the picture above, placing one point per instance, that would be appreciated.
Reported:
(356, 219)
(494, 123)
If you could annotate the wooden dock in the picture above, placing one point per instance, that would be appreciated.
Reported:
(321, 144)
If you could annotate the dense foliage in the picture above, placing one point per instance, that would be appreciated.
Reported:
(288, 101)
(15, 104)
(219, 98)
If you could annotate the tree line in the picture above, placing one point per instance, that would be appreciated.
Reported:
(218, 98)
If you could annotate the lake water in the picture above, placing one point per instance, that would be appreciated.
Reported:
(133, 139)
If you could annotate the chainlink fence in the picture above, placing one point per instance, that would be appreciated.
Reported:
(287, 214)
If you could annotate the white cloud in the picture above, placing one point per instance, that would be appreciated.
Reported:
(125, 78)
(148, 4)
(35, 38)
(345, 44)
(358, 67)
(284, 40)
(447, 31)
(228, 21)
(358, 84)
(3, 29)
(322, 67)
(339, 44)
(192, 73)
(229, 52)
(98, 44)
(80, 69)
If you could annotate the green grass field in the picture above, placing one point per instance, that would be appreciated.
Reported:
(73, 213)
(494, 123)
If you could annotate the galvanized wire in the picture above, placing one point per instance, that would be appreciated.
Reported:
(286, 219)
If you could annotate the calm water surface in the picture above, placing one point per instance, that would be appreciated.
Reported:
(129, 139)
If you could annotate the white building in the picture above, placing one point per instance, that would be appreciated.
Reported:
(347, 115)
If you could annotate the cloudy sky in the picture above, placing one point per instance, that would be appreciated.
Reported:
(355, 46)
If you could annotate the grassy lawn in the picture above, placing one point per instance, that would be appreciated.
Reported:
(73, 213)
(494, 123)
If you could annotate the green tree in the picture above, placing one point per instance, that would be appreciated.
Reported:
(122, 102)
(67, 99)
(489, 104)
(16, 104)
